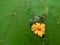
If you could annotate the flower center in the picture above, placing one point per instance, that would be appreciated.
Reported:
(39, 29)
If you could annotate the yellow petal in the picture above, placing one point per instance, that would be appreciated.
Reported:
(35, 32)
(40, 34)
(43, 29)
(38, 24)
(33, 26)
(43, 25)
(43, 32)
(32, 29)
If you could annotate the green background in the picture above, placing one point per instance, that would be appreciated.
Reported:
(14, 22)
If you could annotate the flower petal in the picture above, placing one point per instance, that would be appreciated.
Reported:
(43, 32)
(35, 32)
(32, 29)
(37, 24)
(40, 34)
(42, 25)
(33, 26)
(43, 29)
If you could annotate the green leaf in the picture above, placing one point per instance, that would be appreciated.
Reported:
(53, 23)
(14, 22)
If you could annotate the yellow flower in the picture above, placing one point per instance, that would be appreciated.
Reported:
(38, 28)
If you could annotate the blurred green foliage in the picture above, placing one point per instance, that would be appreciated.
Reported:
(14, 22)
